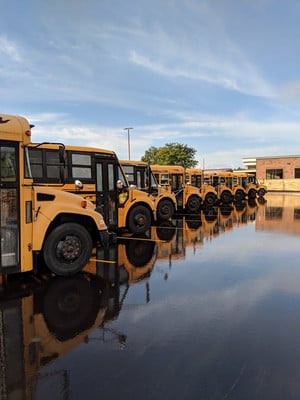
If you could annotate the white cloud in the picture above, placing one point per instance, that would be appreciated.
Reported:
(220, 142)
(186, 78)
(9, 49)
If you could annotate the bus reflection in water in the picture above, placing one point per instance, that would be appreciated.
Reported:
(44, 322)
(45, 319)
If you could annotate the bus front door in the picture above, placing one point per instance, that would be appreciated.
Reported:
(9, 209)
(106, 192)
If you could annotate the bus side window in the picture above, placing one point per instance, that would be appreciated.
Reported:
(8, 165)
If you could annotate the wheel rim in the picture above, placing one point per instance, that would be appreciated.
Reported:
(239, 196)
(68, 248)
(69, 303)
(194, 205)
(226, 197)
(252, 194)
(210, 200)
(165, 210)
(140, 220)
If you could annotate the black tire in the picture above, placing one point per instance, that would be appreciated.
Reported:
(252, 202)
(67, 249)
(261, 192)
(210, 199)
(193, 204)
(70, 306)
(261, 200)
(240, 205)
(226, 197)
(211, 214)
(226, 209)
(239, 195)
(139, 252)
(165, 209)
(139, 219)
(194, 222)
(252, 194)
(165, 231)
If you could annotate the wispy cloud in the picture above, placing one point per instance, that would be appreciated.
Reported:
(219, 141)
(192, 72)
(9, 49)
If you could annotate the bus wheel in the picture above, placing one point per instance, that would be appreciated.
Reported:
(261, 192)
(252, 194)
(193, 204)
(67, 249)
(165, 230)
(165, 209)
(139, 252)
(70, 306)
(139, 219)
(226, 197)
(239, 196)
(210, 199)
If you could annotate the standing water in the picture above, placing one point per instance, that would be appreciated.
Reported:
(204, 307)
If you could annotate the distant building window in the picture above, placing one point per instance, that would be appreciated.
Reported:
(296, 213)
(273, 213)
(274, 174)
(297, 173)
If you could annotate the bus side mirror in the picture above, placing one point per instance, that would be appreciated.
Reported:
(78, 184)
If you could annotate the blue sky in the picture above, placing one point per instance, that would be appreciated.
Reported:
(220, 76)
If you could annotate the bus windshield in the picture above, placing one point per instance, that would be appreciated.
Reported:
(122, 177)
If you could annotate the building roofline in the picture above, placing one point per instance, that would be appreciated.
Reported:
(289, 156)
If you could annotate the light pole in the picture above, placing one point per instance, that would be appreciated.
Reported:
(128, 137)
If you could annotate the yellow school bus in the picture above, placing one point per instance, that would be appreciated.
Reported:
(239, 188)
(250, 188)
(250, 184)
(40, 221)
(195, 177)
(222, 182)
(140, 175)
(234, 182)
(188, 197)
(225, 181)
(228, 179)
(96, 174)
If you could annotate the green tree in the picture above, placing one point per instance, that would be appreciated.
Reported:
(171, 154)
(151, 156)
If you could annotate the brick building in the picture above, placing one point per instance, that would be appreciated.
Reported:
(279, 173)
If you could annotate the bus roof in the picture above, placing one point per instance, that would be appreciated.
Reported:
(194, 170)
(16, 128)
(171, 169)
(218, 173)
(77, 148)
(133, 162)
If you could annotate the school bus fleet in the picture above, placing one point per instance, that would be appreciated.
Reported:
(59, 201)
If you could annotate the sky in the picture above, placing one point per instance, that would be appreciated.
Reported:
(220, 76)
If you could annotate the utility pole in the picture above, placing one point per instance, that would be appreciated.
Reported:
(128, 138)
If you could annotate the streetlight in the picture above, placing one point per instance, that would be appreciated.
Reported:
(128, 136)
